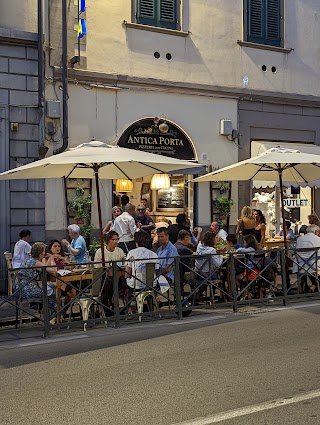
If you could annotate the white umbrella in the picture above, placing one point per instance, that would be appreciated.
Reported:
(98, 160)
(276, 164)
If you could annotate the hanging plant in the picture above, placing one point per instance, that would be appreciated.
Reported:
(80, 207)
(79, 191)
(224, 187)
(223, 206)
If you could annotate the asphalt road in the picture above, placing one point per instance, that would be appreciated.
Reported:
(260, 368)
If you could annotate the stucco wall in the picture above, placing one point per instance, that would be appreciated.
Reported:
(210, 53)
(104, 114)
(19, 14)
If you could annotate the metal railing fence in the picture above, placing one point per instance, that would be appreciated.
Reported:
(200, 283)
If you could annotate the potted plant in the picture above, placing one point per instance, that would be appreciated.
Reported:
(223, 206)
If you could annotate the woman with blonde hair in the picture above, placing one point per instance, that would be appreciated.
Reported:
(246, 223)
(116, 211)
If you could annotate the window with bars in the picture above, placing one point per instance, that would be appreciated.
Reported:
(158, 13)
(264, 22)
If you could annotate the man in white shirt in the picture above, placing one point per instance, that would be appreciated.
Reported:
(137, 259)
(125, 226)
(307, 259)
(218, 232)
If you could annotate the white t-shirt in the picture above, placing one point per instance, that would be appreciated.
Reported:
(222, 234)
(21, 253)
(136, 260)
(116, 255)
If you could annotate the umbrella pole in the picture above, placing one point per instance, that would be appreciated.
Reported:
(96, 178)
(284, 228)
(286, 253)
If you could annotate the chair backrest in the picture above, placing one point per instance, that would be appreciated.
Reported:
(97, 275)
(150, 274)
(8, 258)
(11, 274)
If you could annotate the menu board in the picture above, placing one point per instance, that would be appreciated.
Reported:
(173, 198)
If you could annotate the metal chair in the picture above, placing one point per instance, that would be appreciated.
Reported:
(11, 273)
(147, 294)
(93, 296)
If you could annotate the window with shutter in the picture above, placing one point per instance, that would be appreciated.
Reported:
(264, 22)
(158, 13)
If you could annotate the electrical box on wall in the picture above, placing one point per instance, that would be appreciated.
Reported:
(226, 127)
(53, 108)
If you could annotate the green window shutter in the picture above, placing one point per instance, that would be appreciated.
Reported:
(264, 22)
(273, 21)
(255, 22)
(168, 13)
(146, 12)
(159, 13)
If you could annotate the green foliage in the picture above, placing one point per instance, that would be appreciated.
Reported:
(93, 247)
(223, 205)
(224, 186)
(79, 207)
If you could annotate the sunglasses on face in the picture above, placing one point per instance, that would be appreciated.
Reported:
(141, 209)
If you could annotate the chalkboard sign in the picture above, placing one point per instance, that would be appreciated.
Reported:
(172, 199)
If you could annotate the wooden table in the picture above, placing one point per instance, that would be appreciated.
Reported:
(274, 243)
(77, 275)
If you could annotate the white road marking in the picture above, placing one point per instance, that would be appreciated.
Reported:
(196, 320)
(249, 410)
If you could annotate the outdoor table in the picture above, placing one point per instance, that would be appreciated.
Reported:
(76, 275)
(274, 243)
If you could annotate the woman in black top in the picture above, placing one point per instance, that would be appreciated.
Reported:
(260, 228)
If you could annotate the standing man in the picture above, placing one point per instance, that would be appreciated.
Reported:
(143, 221)
(166, 250)
(126, 227)
(218, 231)
(77, 248)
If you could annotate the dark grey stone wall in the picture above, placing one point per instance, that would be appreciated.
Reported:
(24, 199)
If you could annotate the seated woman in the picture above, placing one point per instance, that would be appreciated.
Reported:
(60, 258)
(250, 270)
(206, 247)
(21, 249)
(29, 277)
(61, 261)
(77, 248)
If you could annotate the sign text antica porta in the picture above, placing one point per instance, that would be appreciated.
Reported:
(160, 136)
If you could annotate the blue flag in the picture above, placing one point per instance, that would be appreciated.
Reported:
(82, 6)
(82, 28)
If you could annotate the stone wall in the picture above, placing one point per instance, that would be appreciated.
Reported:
(23, 199)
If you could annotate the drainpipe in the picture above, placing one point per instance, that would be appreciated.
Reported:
(65, 129)
(42, 149)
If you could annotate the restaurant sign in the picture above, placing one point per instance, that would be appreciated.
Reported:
(158, 135)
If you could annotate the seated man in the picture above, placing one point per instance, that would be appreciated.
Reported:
(290, 234)
(307, 259)
(182, 246)
(165, 252)
(218, 232)
(137, 259)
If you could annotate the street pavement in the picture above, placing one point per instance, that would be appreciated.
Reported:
(256, 367)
